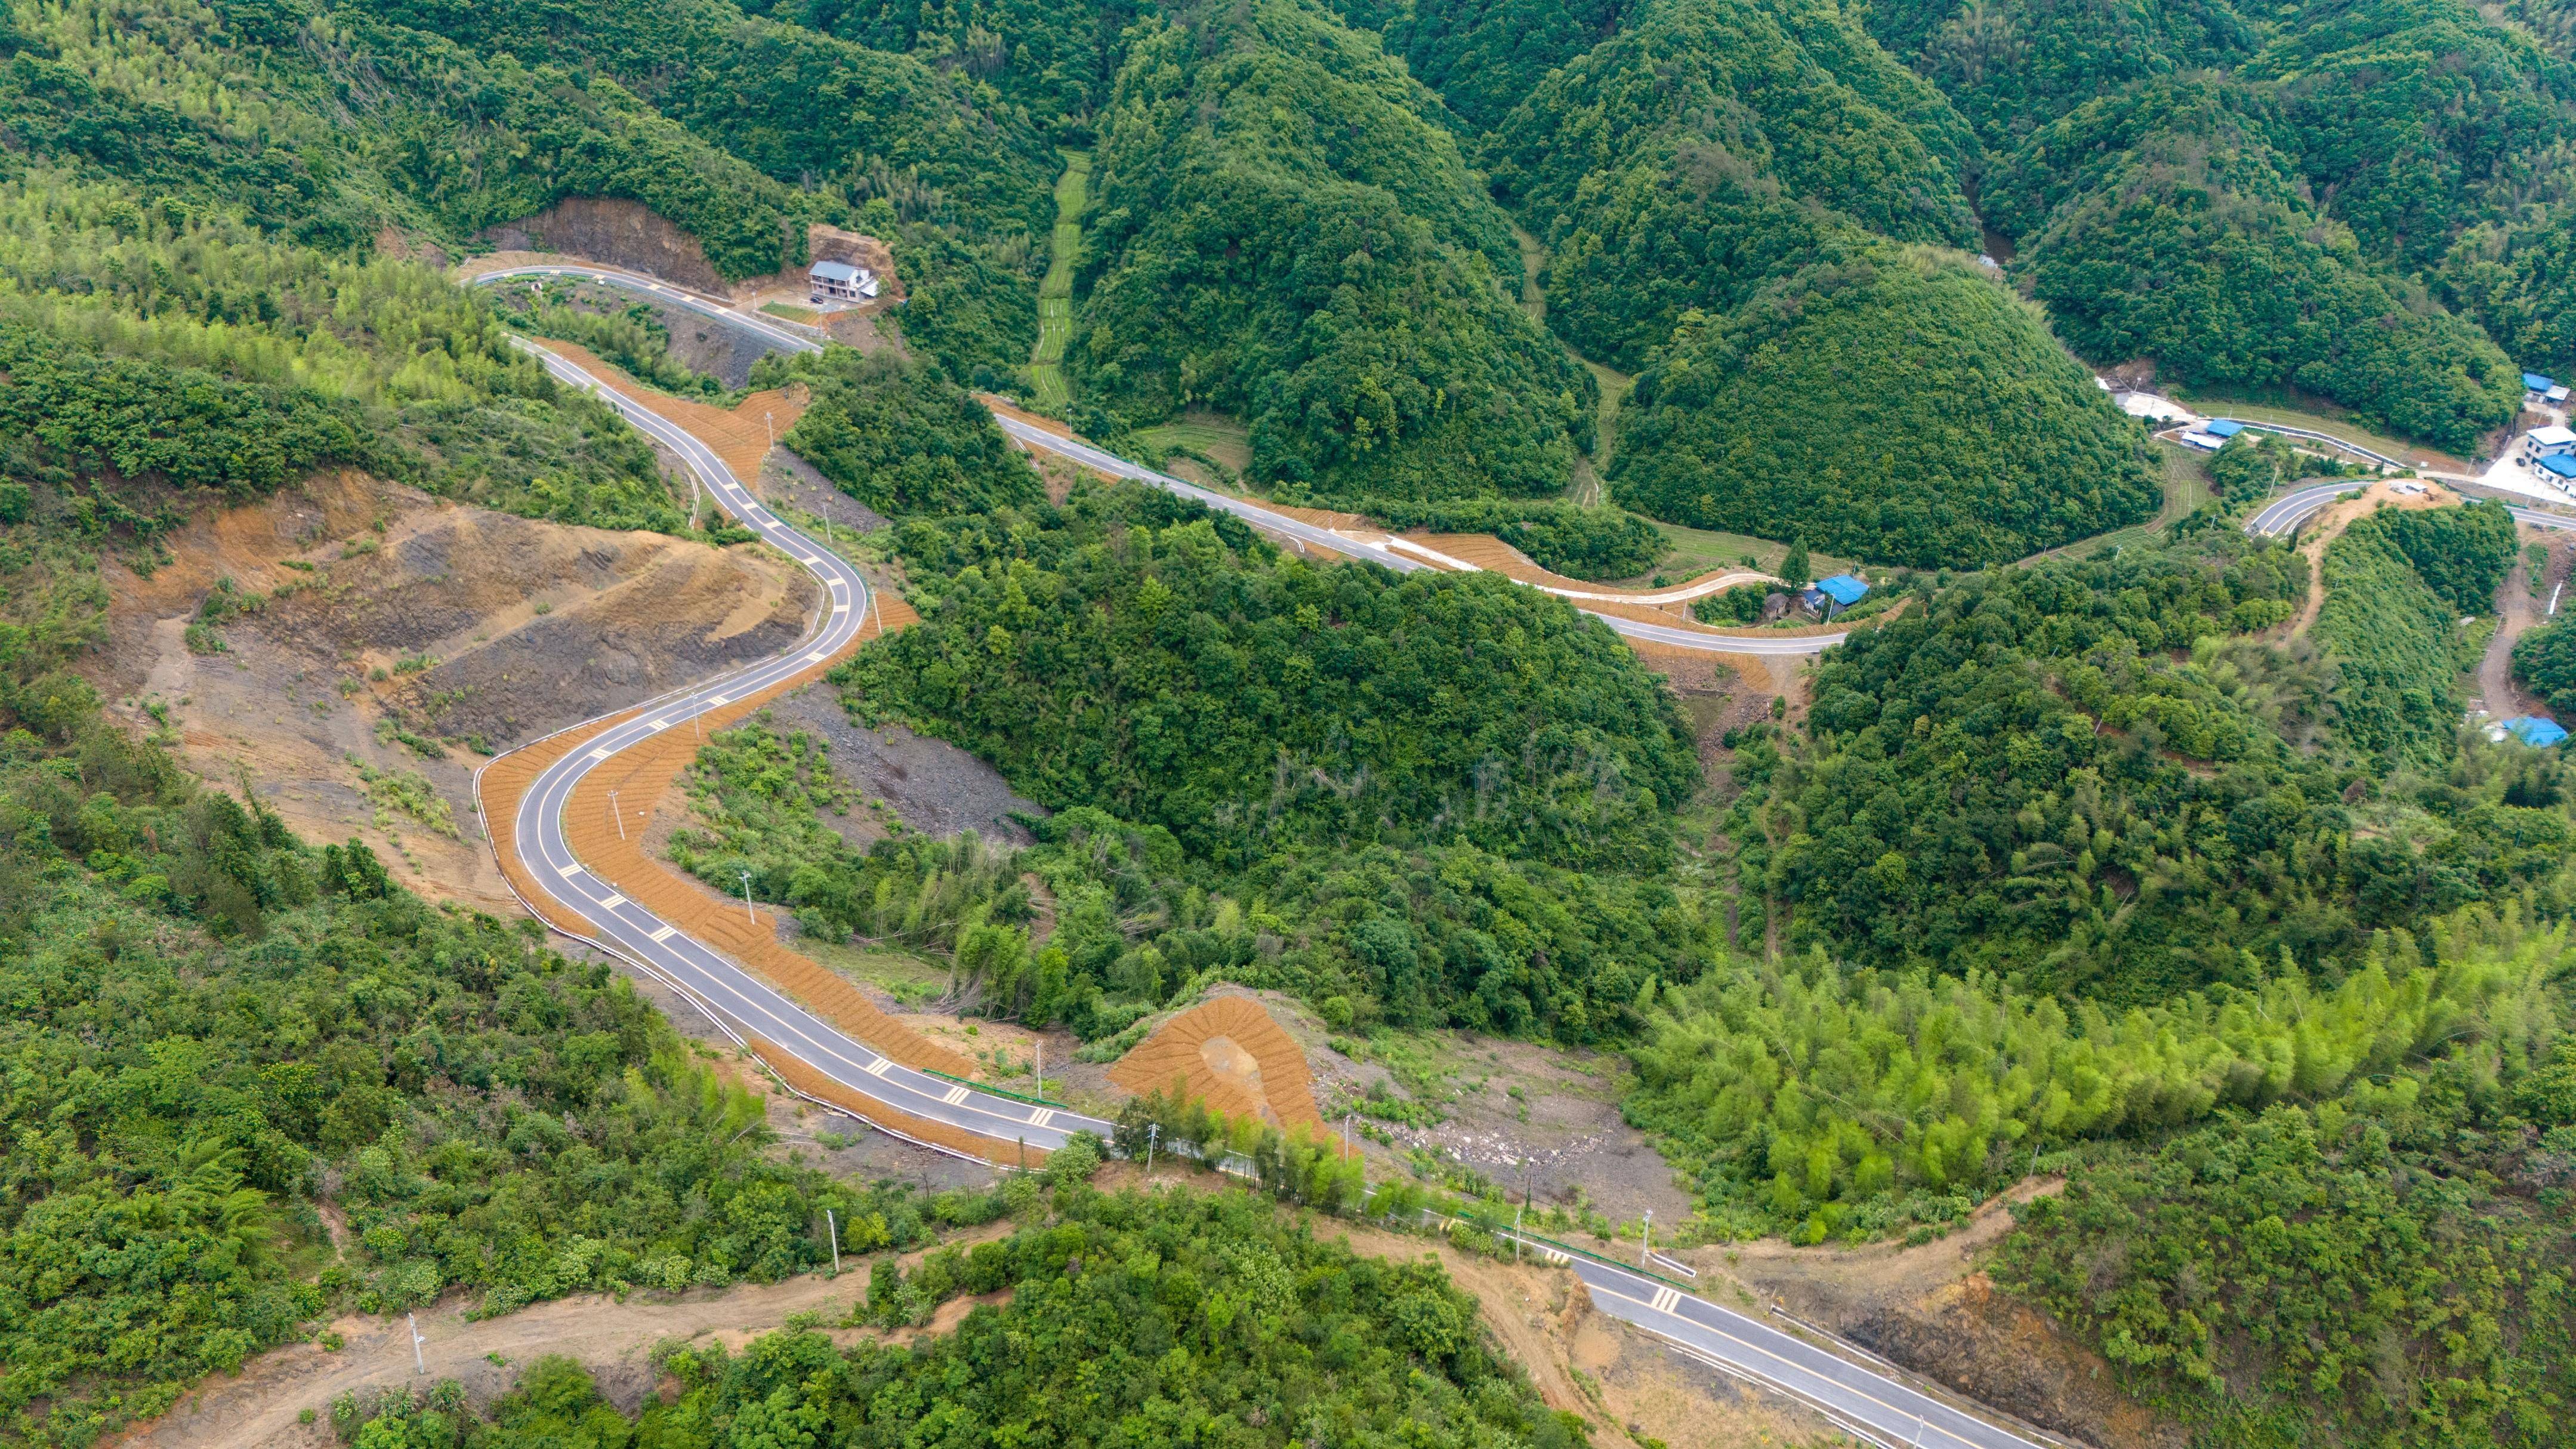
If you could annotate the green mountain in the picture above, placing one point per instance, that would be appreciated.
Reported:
(1898, 406)
(1283, 232)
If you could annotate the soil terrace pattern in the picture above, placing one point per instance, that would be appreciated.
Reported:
(1189, 1047)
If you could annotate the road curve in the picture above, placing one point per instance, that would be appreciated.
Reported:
(738, 999)
(1280, 525)
(2285, 514)
(1871, 1405)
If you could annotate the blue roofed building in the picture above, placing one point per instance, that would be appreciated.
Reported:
(1834, 594)
(2223, 428)
(2559, 465)
(2535, 731)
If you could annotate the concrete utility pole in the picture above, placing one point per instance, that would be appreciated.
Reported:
(1153, 1134)
(418, 1362)
(747, 913)
(1516, 1225)
(833, 1224)
(1646, 1245)
(619, 814)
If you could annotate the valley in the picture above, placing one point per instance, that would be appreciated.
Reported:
(1448, 722)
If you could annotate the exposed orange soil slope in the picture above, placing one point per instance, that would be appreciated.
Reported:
(741, 437)
(1229, 1053)
(643, 773)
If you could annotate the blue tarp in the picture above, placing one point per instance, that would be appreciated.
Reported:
(2534, 731)
(1843, 589)
(2559, 464)
(2534, 382)
(2223, 429)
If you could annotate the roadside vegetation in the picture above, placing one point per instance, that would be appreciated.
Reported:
(1129, 1316)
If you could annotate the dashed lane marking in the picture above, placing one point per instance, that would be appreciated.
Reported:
(613, 902)
(878, 1067)
(955, 1096)
(1044, 1116)
(1667, 1299)
(603, 752)
(664, 934)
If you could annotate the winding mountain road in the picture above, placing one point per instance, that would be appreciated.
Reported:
(2285, 514)
(1396, 554)
(1873, 1407)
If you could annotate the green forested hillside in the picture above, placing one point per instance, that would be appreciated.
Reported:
(2075, 774)
(213, 1030)
(1282, 233)
(899, 437)
(2395, 595)
(1620, 162)
(1134, 653)
(2249, 197)
(1899, 406)
(1141, 1318)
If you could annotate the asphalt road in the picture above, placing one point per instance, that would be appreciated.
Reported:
(1862, 1401)
(2284, 515)
(734, 996)
(1276, 524)
(1871, 1404)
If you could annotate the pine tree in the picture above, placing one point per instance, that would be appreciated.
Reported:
(1794, 568)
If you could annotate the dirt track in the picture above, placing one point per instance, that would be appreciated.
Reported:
(613, 1339)
(2518, 607)
(2319, 534)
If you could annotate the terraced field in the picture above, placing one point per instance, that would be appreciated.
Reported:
(1055, 294)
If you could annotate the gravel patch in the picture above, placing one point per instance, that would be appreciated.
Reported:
(932, 785)
(788, 479)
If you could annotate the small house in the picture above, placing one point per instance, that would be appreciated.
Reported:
(841, 282)
(2536, 389)
(1835, 594)
(2222, 429)
(2549, 442)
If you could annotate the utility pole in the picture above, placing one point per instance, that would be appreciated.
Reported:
(834, 1225)
(752, 916)
(1646, 1245)
(1040, 1069)
(418, 1362)
(1518, 1212)
(1153, 1134)
(619, 814)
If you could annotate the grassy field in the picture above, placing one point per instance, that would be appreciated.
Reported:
(2317, 415)
(1211, 436)
(791, 313)
(1055, 294)
(1689, 552)
(909, 979)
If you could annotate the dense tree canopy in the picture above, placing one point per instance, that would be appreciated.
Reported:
(1900, 407)
(901, 438)
(1167, 1317)
(1282, 234)
(1132, 653)
(2070, 772)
